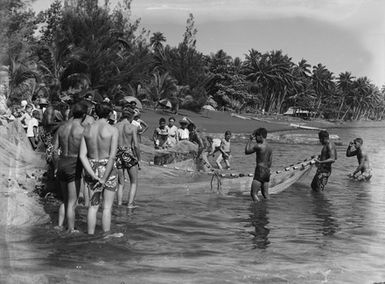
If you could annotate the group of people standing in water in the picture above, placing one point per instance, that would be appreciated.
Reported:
(92, 150)
(106, 152)
(323, 163)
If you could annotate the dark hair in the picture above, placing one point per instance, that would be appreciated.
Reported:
(161, 120)
(359, 140)
(79, 110)
(103, 110)
(261, 132)
(323, 134)
(191, 127)
(36, 113)
(228, 132)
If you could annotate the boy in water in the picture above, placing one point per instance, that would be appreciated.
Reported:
(127, 156)
(225, 151)
(355, 149)
(264, 155)
(324, 162)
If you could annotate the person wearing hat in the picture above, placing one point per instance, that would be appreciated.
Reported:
(23, 104)
(183, 133)
(139, 124)
(26, 117)
(43, 103)
(127, 156)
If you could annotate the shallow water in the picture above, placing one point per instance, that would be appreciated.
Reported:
(182, 232)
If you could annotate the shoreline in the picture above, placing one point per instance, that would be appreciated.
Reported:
(219, 122)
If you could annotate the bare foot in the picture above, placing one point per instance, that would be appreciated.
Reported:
(114, 235)
(59, 228)
(132, 206)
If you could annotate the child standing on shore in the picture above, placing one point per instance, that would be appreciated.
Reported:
(32, 129)
(225, 151)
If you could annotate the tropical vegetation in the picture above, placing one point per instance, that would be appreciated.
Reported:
(68, 50)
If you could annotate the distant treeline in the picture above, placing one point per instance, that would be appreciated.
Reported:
(69, 49)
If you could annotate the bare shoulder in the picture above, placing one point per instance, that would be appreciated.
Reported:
(111, 129)
(128, 127)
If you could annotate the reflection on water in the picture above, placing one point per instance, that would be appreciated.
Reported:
(260, 221)
(183, 232)
(323, 211)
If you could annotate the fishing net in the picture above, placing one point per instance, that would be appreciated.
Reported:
(19, 168)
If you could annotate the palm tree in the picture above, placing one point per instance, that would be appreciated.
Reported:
(22, 80)
(161, 86)
(322, 80)
(344, 87)
(61, 66)
(156, 41)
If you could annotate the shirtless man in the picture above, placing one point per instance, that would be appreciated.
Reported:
(264, 155)
(355, 149)
(69, 167)
(97, 153)
(128, 155)
(324, 162)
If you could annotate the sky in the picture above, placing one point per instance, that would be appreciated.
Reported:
(343, 35)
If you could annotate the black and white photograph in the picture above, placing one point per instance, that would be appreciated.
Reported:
(175, 141)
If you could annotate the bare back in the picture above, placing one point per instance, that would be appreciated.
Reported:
(127, 133)
(263, 154)
(98, 138)
(70, 135)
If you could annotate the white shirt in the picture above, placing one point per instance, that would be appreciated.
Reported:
(24, 119)
(31, 124)
(183, 134)
(216, 142)
(137, 124)
(172, 131)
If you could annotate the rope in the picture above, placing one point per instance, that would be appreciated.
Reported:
(292, 166)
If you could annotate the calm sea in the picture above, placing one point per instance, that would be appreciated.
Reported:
(184, 233)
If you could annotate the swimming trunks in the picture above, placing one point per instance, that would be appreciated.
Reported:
(125, 158)
(262, 174)
(365, 175)
(228, 156)
(69, 169)
(99, 167)
(320, 180)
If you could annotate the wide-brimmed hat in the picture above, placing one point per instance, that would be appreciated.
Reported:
(184, 121)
